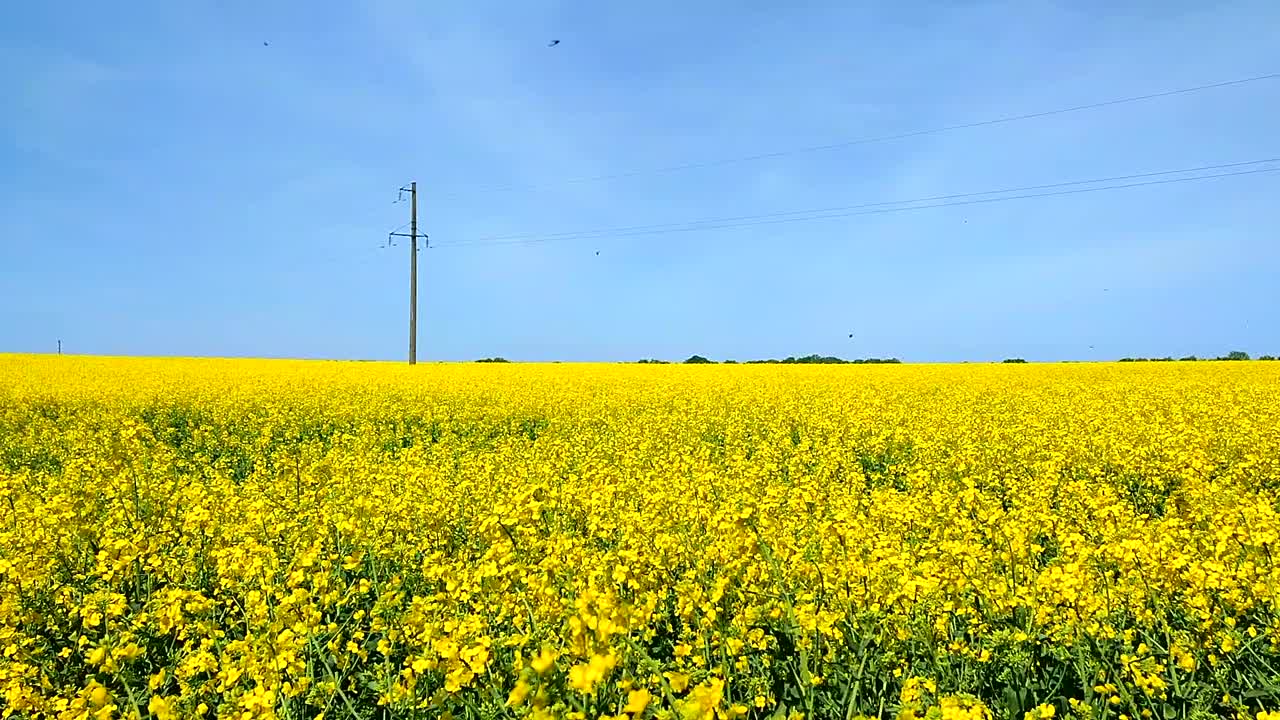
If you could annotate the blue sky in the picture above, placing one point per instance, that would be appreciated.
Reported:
(171, 186)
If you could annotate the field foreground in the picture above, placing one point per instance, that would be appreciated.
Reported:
(256, 539)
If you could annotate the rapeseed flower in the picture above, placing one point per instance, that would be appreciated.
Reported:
(199, 538)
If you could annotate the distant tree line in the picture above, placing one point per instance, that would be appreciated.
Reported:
(1233, 355)
(831, 360)
(806, 360)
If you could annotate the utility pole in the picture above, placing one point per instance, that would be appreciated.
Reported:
(59, 346)
(413, 273)
(412, 189)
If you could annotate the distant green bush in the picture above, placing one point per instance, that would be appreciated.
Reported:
(824, 360)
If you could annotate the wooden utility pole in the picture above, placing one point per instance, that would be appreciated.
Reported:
(413, 273)
(412, 189)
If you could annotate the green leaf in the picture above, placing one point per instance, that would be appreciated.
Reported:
(1259, 693)
(1011, 702)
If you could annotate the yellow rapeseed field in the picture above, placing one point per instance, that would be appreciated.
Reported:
(258, 539)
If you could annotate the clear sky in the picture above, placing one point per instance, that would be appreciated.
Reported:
(169, 185)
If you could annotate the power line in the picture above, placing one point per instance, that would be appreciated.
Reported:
(867, 140)
(875, 211)
(613, 230)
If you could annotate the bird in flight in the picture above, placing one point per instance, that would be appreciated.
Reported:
(597, 252)
(850, 336)
(264, 43)
(553, 43)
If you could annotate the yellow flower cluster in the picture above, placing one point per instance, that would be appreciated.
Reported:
(285, 539)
